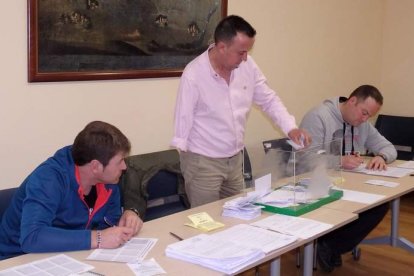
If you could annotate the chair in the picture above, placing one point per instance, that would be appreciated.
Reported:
(163, 196)
(399, 131)
(282, 153)
(277, 144)
(153, 184)
(6, 196)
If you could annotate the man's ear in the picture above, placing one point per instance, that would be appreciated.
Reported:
(221, 46)
(96, 166)
(353, 100)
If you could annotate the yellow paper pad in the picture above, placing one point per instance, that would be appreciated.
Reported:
(203, 221)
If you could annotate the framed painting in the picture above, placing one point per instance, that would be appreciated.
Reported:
(72, 40)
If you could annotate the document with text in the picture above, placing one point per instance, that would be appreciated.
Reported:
(389, 172)
(219, 254)
(57, 265)
(295, 226)
(134, 250)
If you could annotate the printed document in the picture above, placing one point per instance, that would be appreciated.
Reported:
(295, 226)
(229, 250)
(215, 253)
(57, 265)
(390, 171)
(134, 250)
(255, 237)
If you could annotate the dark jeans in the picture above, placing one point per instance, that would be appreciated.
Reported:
(347, 237)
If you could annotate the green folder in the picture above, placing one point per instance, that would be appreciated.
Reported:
(304, 208)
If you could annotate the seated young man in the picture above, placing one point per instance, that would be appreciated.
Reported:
(347, 119)
(70, 200)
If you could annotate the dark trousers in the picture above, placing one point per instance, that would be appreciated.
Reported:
(347, 237)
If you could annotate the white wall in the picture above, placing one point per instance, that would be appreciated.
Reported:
(309, 50)
(398, 58)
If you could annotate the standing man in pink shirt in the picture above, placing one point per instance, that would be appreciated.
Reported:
(216, 93)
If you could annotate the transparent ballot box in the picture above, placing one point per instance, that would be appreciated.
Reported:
(302, 179)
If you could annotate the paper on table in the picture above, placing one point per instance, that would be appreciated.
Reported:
(384, 183)
(134, 250)
(241, 207)
(255, 237)
(56, 265)
(299, 227)
(361, 196)
(146, 268)
(390, 171)
(204, 222)
(407, 165)
(215, 253)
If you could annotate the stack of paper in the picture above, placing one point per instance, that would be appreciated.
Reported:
(228, 251)
(299, 227)
(241, 207)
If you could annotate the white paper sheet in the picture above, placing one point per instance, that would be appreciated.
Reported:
(255, 237)
(389, 172)
(218, 254)
(384, 183)
(263, 185)
(146, 268)
(361, 196)
(57, 265)
(134, 250)
(407, 165)
(299, 227)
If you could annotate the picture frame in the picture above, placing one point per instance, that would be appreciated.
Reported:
(80, 40)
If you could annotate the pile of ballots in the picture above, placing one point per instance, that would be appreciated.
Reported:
(242, 207)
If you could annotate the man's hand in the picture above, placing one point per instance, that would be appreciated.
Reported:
(350, 162)
(377, 163)
(111, 237)
(300, 136)
(131, 220)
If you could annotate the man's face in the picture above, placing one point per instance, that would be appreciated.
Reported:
(111, 173)
(235, 52)
(358, 112)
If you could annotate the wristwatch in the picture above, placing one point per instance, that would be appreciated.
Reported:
(382, 156)
(134, 210)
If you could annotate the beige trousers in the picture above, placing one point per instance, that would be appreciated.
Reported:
(210, 179)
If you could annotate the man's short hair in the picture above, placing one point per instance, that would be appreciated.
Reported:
(229, 26)
(365, 91)
(99, 141)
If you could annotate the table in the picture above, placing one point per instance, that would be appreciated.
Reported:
(161, 228)
(355, 181)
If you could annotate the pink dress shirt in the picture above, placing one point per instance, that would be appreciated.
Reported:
(210, 115)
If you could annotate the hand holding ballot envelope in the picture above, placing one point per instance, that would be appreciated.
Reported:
(299, 139)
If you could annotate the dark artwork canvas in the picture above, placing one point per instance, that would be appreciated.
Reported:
(111, 39)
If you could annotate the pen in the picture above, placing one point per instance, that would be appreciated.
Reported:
(176, 236)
